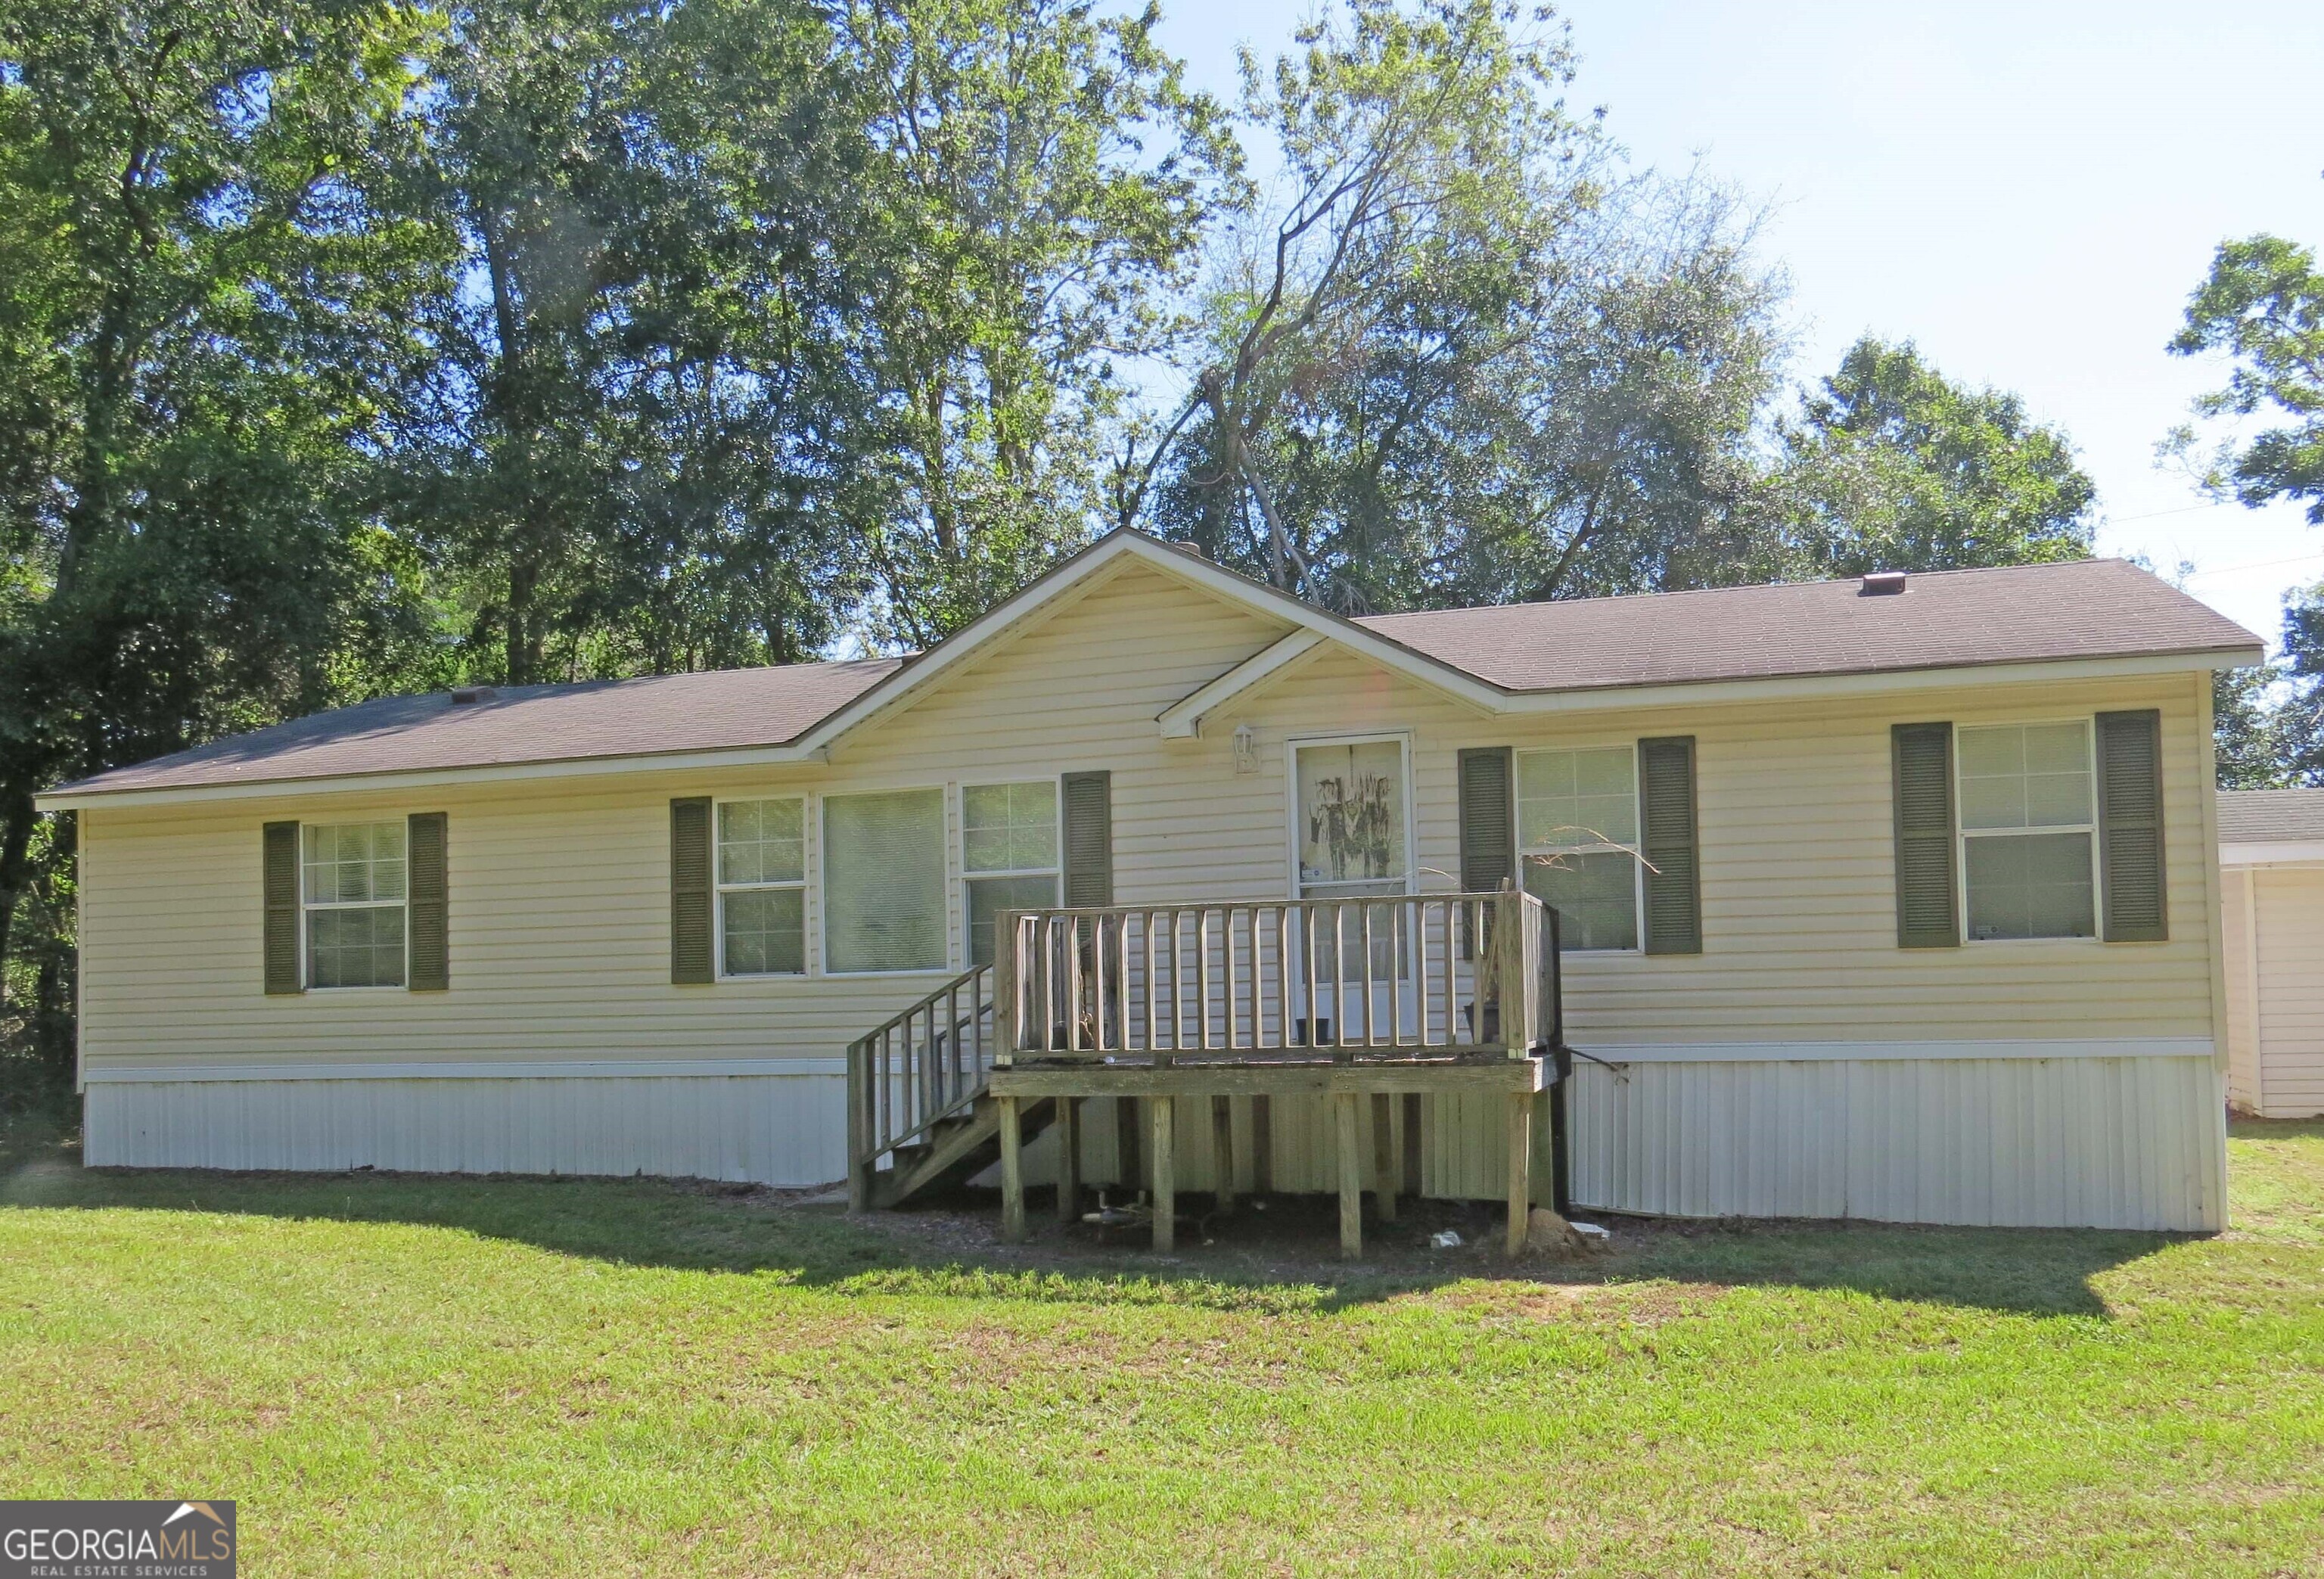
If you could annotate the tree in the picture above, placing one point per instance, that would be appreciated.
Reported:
(1039, 177)
(2263, 305)
(204, 276)
(643, 444)
(1469, 364)
(1415, 142)
(1889, 465)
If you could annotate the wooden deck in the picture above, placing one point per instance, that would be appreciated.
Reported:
(1377, 997)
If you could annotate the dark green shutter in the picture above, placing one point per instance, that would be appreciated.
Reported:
(1927, 911)
(1666, 825)
(430, 970)
(1488, 822)
(2130, 826)
(1488, 827)
(689, 891)
(1089, 838)
(281, 879)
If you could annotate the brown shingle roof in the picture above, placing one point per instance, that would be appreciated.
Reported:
(2096, 608)
(2088, 608)
(709, 711)
(2271, 816)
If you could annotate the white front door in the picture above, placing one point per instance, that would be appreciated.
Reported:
(1351, 838)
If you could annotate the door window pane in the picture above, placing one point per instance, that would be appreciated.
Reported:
(1350, 820)
(884, 881)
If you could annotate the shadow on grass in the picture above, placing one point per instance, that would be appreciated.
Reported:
(1274, 1258)
(2246, 1129)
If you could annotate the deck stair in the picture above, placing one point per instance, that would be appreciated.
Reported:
(918, 1114)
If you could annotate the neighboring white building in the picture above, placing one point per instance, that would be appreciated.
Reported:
(2271, 880)
(1885, 900)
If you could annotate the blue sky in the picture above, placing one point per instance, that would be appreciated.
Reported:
(2029, 191)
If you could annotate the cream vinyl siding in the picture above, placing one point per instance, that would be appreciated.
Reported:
(559, 899)
(1797, 842)
(559, 892)
(2275, 991)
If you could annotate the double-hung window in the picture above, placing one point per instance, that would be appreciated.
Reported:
(352, 899)
(1577, 832)
(762, 887)
(2028, 830)
(1009, 855)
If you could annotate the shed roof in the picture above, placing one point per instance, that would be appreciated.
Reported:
(2271, 816)
(2090, 609)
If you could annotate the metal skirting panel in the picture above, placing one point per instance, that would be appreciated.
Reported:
(783, 1130)
(2098, 1143)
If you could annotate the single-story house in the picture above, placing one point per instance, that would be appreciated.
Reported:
(2271, 880)
(1891, 899)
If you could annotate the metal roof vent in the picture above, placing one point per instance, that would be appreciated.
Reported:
(468, 696)
(1883, 584)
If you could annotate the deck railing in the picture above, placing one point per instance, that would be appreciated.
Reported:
(1401, 976)
(922, 1066)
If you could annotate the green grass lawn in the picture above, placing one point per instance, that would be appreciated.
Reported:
(415, 1375)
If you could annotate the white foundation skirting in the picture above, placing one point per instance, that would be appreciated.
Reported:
(2134, 1138)
(2101, 1143)
(784, 1129)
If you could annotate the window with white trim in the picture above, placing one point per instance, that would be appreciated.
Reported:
(883, 881)
(1577, 832)
(2028, 830)
(1009, 855)
(352, 886)
(762, 888)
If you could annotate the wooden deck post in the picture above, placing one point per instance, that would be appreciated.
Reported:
(1520, 1127)
(1012, 1172)
(1069, 1158)
(1262, 1146)
(1222, 1164)
(1416, 1183)
(1130, 1164)
(861, 1179)
(1166, 1178)
(1384, 1158)
(1352, 1177)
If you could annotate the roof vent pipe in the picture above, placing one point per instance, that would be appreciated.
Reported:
(1883, 584)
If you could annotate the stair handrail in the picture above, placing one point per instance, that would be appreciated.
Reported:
(914, 1069)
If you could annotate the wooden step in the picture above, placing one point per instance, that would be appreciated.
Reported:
(958, 1149)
